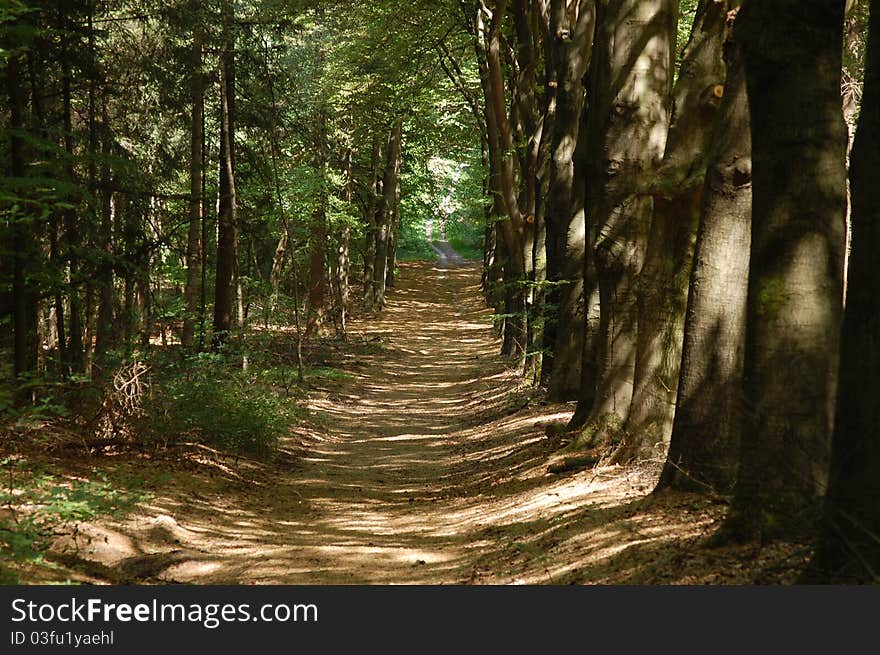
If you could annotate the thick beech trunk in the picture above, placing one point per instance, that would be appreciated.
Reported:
(628, 119)
(792, 53)
(849, 548)
(704, 446)
(663, 281)
(572, 36)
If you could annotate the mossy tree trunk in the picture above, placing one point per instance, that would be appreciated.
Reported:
(792, 53)
(628, 119)
(704, 447)
(677, 189)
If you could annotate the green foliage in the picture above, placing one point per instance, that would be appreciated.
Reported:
(314, 87)
(466, 237)
(412, 244)
(48, 406)
(686, 13)
(210, 400)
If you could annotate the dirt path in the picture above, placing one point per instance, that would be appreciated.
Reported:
(429, 467)
(378, 496)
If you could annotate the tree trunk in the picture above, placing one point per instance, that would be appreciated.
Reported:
(489, 236)
(317, 298)
(75, 361)
(391, 270)
(495, 289)
(372, 228)
(849, 547)
(663, 282)
(629, 115)
(227, 218)
(566, 233)
(193, 240)
(277, 269)
(792, 54)
(342, 264)
(387, 213)
(55, 320)
(317, 295)
(513, 230)
(590, 295)
(536, 300)
(100, 137)
(23, 236)
(393, 225)
(704, 446)
(104, 334)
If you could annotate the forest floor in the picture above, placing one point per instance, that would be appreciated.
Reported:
(429, 465)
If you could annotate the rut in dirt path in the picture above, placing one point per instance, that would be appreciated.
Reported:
(387, 493)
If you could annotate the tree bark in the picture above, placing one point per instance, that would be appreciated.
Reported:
(342, 264)
(704, 446)
(849, 547)
(495, 289)
(513, 230)
(24, 298)
(55, 321)
(104, 333)
(393, 228)
(792, 53)
(390, 189)
(75, 363)
(566, 230)
(317, 298)
(629, 116)
(193, 240)
(373, 217)
(590, 297)
(663, 281)
(227, 218)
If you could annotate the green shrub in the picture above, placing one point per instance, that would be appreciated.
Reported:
(465, 233)
(211, 402)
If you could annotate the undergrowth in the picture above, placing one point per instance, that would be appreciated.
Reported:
(36, 506)
(212, 399)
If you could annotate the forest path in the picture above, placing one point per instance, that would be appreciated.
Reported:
(429, 467)
(384, 493)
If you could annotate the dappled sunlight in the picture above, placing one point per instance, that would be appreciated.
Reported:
(430, 466)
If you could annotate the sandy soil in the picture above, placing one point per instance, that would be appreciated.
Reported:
(429, 467)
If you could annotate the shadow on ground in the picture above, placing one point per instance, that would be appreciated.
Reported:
(429, 467)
